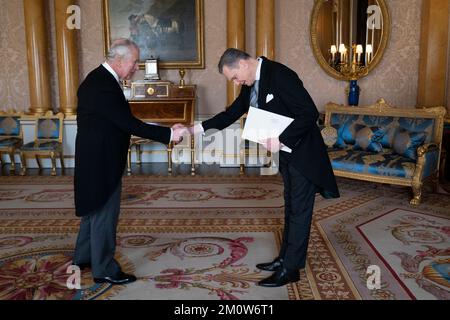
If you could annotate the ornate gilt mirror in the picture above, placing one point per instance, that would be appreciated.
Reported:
(349, 37)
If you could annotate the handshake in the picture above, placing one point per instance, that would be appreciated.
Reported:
(179, 130)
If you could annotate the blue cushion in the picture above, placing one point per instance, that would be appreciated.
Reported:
(385, 163)
(418, 125)
(48, 129)
(388, 139)
(43, 146)
(406, 143)
(9, 142)
(348, 132)
(344, 123)
(368, 138)
(9, 126)
(340, 143)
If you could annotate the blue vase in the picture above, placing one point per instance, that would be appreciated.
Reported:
(353, 93)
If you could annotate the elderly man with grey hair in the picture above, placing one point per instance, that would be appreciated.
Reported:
(105, 125)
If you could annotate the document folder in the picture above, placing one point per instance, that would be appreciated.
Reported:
(261, 125)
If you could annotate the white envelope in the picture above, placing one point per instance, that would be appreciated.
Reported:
(262, 125)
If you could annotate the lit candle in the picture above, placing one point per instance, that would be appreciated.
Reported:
(333, 51)
(373, 31)
(359, 51)
(342, 51)
(369, 51)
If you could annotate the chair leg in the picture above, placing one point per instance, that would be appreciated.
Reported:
(52, 156)
(139, 154)
(12, 168)
(61, 159)
(38, 162)
(417, 194)
(129, 161)
(242, 159)
(23, 164)
(192, 156)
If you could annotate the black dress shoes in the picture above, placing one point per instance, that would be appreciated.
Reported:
(83, 266)
(120, 278)
(280, 277)
(271, 266)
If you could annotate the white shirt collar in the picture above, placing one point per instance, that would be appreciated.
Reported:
(258, 69)
(111, 70)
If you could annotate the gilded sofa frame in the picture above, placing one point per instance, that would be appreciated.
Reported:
(381, 108)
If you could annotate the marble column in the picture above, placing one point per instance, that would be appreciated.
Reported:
(37, 55)
(67, 54)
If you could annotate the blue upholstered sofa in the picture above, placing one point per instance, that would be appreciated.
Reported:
(384, 144)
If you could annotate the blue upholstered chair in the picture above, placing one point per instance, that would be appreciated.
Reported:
(47, 143)
(11, 136)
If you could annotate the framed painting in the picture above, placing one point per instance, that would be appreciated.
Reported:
(171, 31)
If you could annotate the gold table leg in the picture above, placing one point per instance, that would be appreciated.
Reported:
(169, 156)
(192, 156)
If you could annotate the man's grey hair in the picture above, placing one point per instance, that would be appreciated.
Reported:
(121, 48)
(231, 58)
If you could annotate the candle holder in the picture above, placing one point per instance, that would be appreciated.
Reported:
(352, 72)
(355, 70)
(182, 73)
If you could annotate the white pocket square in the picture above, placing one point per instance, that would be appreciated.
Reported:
(269, 98)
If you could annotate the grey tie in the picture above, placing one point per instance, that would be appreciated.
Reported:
(254, 94)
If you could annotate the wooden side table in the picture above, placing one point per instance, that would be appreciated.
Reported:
(163, 103)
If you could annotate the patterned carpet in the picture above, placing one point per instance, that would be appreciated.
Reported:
(200, 238)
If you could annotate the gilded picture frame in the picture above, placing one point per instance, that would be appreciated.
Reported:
(171, 31)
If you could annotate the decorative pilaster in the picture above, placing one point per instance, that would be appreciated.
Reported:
(235, 37)
(67, 53)
(265, 28)
(433, 64)
(37, 54)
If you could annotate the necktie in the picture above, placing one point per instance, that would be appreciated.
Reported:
(254, 94)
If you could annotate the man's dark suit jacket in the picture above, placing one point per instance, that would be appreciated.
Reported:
(105, 124)
(303, 136)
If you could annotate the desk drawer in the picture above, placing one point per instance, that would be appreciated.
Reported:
(182, 92)
(163, 111)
